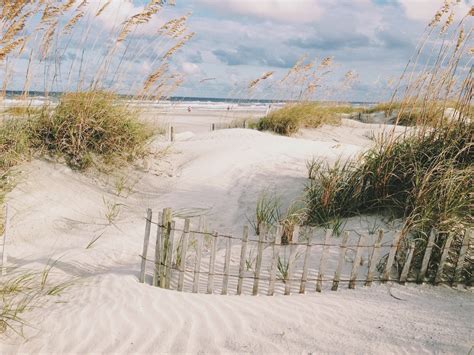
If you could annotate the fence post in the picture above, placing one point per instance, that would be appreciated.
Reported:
(444, 256)
(391, 258)
(171, 134)
(169, 253)
(213, 126)
(340, 263)
(184, 249)
(243, 252)
(355, 266)
(145, 245)
(165, 246)
(3, 270)
(228, 251)
(258, 262)
(462, 256)
(158, 251)
(304, 276)
(212, 262)
(275, 256)
(426, 256)
(406, 267)
(293, 249)
(373, 259)
(322, 262)
(197, 262)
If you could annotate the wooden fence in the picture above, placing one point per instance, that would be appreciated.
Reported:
(181, 255)
(229, 125)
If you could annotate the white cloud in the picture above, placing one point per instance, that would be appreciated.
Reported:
(424, 10)
(190, 68)
(301, 11)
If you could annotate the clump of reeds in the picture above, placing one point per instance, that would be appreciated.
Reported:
(269, 212)
(87, 126)
(290, 118)
(22, 291)
(423, 176)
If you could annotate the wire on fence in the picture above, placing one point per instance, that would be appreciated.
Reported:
(213, 235)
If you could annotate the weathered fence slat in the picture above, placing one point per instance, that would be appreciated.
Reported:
(172, 139)
(165, 235)
(159, 232)
(212, 263)
(391, 258)
(373, 259)
(3, 270)
(183, 251)
(291, 260)
(258, 262)
(146, 240)
(228, 252)
(426, 256)
(406, 267)
(322, 262)
(340, 263)
(462, 257)
(442, 261)
(275, 257)
(197, 262)
(357, 259)
(304, 276)
(243, 252)
(169, 253)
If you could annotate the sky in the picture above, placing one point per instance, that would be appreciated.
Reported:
(237, 41)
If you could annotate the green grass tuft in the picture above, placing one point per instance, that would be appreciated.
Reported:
(89, 125)
(290, 118)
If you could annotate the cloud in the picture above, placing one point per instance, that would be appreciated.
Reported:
(333, 41)
(301, 11)
(259, 56)
(424, 10)
(195, 57)
(190, 68)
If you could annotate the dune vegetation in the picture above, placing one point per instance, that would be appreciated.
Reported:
(88, 125)
(290, 118)
(423, 176)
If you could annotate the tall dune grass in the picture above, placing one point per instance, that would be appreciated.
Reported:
(65, 46)
(290, 118)
(90, 125)
(425, 175)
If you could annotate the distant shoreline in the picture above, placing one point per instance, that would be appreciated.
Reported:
(12, 94)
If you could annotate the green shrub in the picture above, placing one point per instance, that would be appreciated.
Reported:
(88, 125)
(423, 177)
(23, 111)
(290, 118)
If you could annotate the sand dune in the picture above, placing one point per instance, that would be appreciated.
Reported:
(57, 212)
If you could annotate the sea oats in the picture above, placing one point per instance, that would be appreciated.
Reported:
(103, 7)
(4, 51)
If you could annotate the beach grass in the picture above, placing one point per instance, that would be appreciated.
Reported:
(290, 118)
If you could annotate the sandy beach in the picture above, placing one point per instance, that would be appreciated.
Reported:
(56, 212)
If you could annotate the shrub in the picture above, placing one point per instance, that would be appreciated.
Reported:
(85, 125)
(14, 147)
(423, 177)
(290, 118)
(23, 111)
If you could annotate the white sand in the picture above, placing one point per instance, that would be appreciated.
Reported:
(57, 212)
